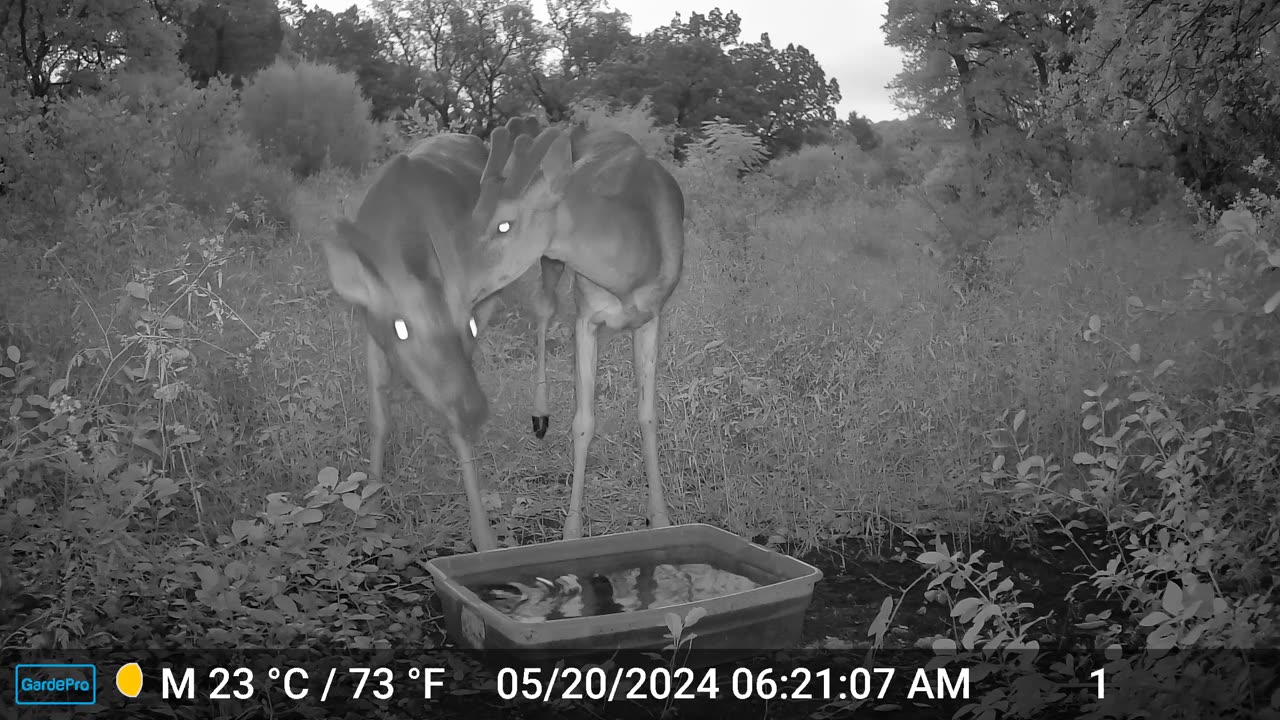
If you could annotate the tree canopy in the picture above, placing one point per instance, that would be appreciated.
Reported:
(1202, 77)
(467, 64)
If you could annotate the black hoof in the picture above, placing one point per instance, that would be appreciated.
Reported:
(540, 425)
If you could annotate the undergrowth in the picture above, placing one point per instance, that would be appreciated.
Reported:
(185, 466)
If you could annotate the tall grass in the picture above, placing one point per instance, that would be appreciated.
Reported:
(819, 373)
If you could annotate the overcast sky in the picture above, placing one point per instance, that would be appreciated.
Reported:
(843, 34)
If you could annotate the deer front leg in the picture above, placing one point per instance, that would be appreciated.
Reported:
(379, 373)
(481, 532)
(584, 419)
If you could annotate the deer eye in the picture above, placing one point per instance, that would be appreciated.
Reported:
(475, 331)
(402, 329)
(504, 227)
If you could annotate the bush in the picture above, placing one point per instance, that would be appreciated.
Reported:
(636, 121)
(309, 116)
(28, 182)
(238, 176)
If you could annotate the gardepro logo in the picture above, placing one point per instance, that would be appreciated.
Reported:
(55, 684)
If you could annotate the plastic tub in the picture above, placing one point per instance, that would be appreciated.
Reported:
(769, 617)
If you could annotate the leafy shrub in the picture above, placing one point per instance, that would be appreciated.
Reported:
(239, 177)
(726, 149)
(90, 147)
(824, 173)
(202, 125)
(308, 116)
(28, 179)
(803, 168)
(636, 121)
(391, 141)
(1178, 486)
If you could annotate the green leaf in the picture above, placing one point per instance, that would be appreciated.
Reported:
(694, 616)
(285, 604)
(1162, 638)
(1238, 220)
(1172, 599)
(1272, 303)
(674, 624)
(944, 645)
(1155, 618)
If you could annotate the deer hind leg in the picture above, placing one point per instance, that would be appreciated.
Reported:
(544, 308)
(584, 418)
(379, 369)
(644, 345)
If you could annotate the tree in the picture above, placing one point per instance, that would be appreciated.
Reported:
(474, 57)
(582, 35)
(697, 69)
(1216, 99)
(980, 63)
(352, 44)
(231, 37)
(586, 35)
(44, 43)
(860, 129)
(803, 102)
(682, 67)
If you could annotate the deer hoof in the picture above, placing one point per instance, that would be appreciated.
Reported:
(540, 423)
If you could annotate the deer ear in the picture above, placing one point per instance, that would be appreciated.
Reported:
(351, 279)
(557, 162)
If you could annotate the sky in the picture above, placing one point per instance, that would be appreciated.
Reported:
(844, 35)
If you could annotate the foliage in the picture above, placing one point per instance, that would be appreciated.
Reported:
(308, 116)
(636, 121)
(1054, 67)
(176, 423)
(46, 44)
(103, 167)
(823, 173)
(473, 55)
(353, 44)
(241, 180)
(979, 64)
(1215, 102)
(698, 69)
(1174, 484)
(726, 148)
(235, 38)
(861, 130)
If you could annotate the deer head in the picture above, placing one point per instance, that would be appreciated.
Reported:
(521, 190)
(407, 285)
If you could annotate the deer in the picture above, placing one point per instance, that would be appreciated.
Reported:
(596, 203)
(399, 264)
(421, 265)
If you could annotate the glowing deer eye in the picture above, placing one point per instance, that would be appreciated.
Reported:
(504, 227)
(475, 331)
(402, 330)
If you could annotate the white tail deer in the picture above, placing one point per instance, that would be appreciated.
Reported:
(595, 202)
(401, 265)
(427, 254)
